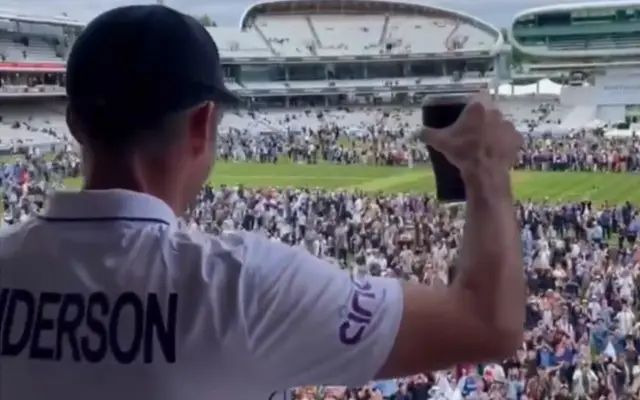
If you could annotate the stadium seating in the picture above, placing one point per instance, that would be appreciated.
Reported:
(618, 43)
(38, 50)
(579, 117)
(234, 43)
(569, 44)
(10, 137)
(594, 43)
(44, 124)
(341, 35)
(409, 34)
(348, 34)
(264, 85)
(32, 124)
(232, 84)
(472, 38)
(520, 111)
(379, 83)
(288, 35)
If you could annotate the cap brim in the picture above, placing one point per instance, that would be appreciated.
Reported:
(227, 97)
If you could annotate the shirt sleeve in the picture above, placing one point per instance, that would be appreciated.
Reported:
(308, 322)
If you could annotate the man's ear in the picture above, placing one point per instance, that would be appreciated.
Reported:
(199, 127)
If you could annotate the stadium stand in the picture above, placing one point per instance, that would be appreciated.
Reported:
(32, 117)
(404, 30)
(579, 117)
(338, 35)
(471, 38)
(12, 137)
(234, 43)
(277, 29)
(352, 83)
(596, 30)
(382, 27)
(31, 50)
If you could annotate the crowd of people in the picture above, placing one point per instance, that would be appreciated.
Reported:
(329, 144)
(372, 136)
(581, 153)
(582, 340)
(25, 183)
(582, 265)
(584, 152)
(582, 261)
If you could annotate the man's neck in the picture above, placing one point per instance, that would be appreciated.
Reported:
(136, 177)
(99, 179)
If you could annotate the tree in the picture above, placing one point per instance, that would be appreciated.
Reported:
(206, 20)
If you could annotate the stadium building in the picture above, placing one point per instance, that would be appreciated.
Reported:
(283, 53)
(355, 51)
(602, 31)
(297, 54)
(594, 47)
(33, 52)
(300, 51)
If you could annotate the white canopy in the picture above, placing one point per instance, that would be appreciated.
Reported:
(544, 86)
(551, 129)
(622, 133)
(547, 86)
(595, 124)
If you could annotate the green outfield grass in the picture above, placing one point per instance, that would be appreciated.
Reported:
(555, 186)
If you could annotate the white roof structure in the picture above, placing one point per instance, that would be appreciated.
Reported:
(340, 28)
(321, 41)
(236, 44)
(57, 20)
(303, 30)
(586, 41)
(345, 4)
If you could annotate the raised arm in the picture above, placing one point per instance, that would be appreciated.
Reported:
(481, 315)
(305, 322)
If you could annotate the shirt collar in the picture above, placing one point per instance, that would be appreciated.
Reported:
(104, 205)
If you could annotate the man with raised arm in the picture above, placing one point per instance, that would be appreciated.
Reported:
(104, 296)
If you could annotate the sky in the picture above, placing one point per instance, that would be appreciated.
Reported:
(228, 12)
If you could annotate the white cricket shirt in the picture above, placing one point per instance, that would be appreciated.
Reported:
(105, 297)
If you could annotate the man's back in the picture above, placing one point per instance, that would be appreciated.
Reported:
(93, 297)
(116, 302)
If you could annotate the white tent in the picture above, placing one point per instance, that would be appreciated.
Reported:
(551, 129)
(547, 86)
(543, 87)
(523, 90)
(505, 89)
(595, 124)
(621, 133)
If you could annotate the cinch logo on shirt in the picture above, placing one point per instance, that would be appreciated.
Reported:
(359, 312)
(85, 328)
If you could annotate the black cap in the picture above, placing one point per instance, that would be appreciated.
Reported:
(139, 63)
